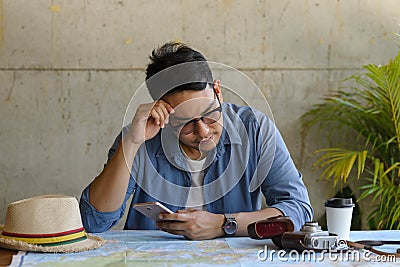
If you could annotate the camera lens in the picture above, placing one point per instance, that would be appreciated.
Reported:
(311, 227)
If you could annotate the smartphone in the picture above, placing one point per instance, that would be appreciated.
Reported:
(152, 209)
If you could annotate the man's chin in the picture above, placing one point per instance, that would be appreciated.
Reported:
(207, 145)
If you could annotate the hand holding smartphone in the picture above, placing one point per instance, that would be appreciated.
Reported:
(152, 209)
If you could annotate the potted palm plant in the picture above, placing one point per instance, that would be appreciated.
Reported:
(369, 111)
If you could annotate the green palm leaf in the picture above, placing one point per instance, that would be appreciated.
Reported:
(364, 124)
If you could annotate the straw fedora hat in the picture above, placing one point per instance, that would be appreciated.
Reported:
(48, 223)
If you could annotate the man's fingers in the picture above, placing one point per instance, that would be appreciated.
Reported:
(171, 225)
(169, 108)
(155, 114)
(174, 232)
(179, 216)
(162, 107)
(160, 112)
(165, 114)
(185, 211)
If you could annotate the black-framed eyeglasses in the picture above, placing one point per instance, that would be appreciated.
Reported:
(209, 117)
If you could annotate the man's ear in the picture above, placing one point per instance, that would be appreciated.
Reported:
(217, 88)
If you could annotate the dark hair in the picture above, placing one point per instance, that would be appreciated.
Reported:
(176, 67)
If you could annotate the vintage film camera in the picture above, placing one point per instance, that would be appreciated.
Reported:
(280, 230)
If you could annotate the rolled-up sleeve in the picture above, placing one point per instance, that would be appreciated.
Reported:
(284, 188)
(95, 221)
(291, 198)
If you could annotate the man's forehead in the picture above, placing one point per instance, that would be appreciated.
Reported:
(196, 106)
(193, 107)
(190, 97)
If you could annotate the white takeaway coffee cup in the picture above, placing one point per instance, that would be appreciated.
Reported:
(338, 216)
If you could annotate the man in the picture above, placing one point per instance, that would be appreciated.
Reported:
(206, 160)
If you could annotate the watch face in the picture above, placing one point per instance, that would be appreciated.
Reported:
(230, 227)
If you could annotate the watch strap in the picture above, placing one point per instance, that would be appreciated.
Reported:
(229, 216)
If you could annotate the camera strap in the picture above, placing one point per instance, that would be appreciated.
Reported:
(369, 245)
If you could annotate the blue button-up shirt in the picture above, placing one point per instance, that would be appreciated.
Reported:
(250, 160)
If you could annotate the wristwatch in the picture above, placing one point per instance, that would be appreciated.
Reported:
(230, 225)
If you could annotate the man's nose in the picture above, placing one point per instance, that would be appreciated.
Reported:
(202, 128)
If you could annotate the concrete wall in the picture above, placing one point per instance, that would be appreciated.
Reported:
(69, 68)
